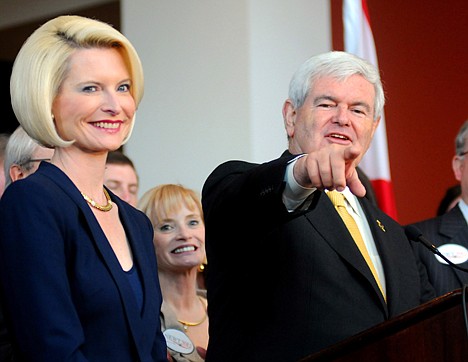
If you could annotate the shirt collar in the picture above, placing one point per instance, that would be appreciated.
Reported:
(351, 198)
(464, 209)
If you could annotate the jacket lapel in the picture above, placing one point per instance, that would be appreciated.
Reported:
(387, 249)
(112, 263)
(144, 257)
(326, 220)
(453, 227)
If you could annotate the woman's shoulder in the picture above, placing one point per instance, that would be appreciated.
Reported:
(40, 193)
(47, 177)
(30, 188)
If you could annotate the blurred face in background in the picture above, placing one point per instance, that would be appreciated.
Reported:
(2, 178)
(122, 180)
(179, 240)
(40, 154)
(460, 170)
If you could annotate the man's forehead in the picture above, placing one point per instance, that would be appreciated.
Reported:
(339, 79)
(325, 86)
(120, 173)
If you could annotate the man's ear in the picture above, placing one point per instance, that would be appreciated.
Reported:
(457, 163)
(289, 117)
(16, 172)
(375, 125)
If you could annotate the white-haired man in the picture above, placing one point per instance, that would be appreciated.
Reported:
(286, 276)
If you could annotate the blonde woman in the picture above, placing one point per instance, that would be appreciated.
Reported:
(179, 241)
(77, 264)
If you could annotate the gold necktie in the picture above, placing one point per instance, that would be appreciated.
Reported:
(338, 201)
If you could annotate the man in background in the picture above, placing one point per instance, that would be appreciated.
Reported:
(449, 232)
(3, 142)
(6, 352)
(121, 177)
(23, 156)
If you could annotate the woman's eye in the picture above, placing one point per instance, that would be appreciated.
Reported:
(194, 222)
(90, 89)
(124, 88)
(165, 228)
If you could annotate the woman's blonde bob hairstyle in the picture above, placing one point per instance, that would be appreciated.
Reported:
(161, 201)
(42, 64)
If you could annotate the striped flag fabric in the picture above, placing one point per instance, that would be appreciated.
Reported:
(358, 40)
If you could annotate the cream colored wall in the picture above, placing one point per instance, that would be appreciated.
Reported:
(216, 75)
(14, 12)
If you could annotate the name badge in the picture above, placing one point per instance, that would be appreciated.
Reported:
(178, 341)
(456, 253)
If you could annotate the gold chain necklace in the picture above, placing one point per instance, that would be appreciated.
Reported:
(186, 324)
(94, 204)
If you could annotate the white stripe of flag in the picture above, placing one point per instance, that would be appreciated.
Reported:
(358, 40)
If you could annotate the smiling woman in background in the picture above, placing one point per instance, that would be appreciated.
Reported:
(78, 272)
(179, 240)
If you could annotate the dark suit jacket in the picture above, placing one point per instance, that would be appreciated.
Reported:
(65, 294)
(6, 353)
(305, 284)
(370, 193)
(450, 228)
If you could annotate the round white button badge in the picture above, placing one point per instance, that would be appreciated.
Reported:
(178, 341)
(456, 253)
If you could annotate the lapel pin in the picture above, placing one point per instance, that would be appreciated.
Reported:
(381, 226)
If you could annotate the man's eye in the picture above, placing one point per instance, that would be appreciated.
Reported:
(358, 111)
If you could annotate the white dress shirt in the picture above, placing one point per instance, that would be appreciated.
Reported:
(464, 209)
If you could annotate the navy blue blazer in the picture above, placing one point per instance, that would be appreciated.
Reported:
(305, 284)
(65, 294)
(450, 228)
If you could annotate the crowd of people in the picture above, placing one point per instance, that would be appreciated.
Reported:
(89, 272)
